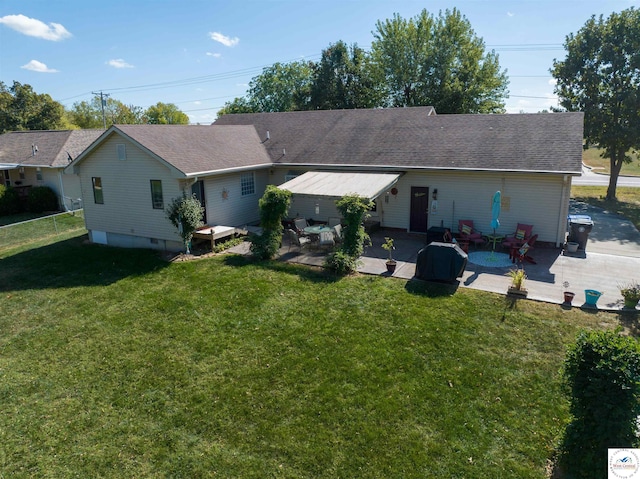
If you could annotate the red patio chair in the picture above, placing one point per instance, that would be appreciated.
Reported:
(521, 253)
(468, 233)
(519, 237)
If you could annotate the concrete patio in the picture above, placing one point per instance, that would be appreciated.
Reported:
(612, 257)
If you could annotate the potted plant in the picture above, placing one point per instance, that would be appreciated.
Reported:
(388, 245)
(518, 276)
(631, 294)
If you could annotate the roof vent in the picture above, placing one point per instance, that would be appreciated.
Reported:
(268, 135)
(34, 150)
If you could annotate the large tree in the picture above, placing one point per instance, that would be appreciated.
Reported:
(165, 114)
(343, 80)
(90, 114)
(21, 108)
(601, 77)
(438, 61)
(281, 87)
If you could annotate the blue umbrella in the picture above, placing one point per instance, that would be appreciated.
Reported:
(495, 212)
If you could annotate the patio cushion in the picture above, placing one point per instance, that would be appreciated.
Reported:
(520, 234)
(466, 229)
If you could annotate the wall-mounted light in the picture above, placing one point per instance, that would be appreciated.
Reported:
(317, 209)
(434, 195)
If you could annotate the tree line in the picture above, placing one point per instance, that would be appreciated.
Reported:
(21, 108)
(426, 60)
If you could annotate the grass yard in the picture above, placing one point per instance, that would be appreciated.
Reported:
(116, 364)
(627, 203)
(592, 158)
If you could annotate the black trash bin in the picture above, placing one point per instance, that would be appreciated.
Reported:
(579, 228)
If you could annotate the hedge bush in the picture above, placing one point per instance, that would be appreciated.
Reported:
(274, 205)
(42, 198)
(9, 201)
(602, 373)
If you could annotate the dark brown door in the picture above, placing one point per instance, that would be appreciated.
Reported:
(419, 209)
(198, 189)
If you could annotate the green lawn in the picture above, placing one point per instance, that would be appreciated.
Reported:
(592, 158)
(116, 364)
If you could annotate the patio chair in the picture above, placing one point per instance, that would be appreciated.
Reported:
(326, 239)
(299, 241)
(300, 224)
(520, 254)
(469, 233)
(337, 233)
(519, 237)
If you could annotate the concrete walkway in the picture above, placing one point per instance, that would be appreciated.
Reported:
(612, 257)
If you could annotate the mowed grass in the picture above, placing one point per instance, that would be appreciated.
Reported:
(592, 158)
(114, 363)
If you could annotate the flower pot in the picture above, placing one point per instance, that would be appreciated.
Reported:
(630, 303)
(568, 297)
(591, 296)
(572, 247)
(516, 293)
(391, 266)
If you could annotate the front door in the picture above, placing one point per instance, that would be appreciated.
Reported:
(198, 189)
(419, 209)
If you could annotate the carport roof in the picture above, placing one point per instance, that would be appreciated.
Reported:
(338, 184)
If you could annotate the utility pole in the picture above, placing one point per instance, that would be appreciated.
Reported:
(103, 102)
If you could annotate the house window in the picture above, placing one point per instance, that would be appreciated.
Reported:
(247, 184)
(122, 152)
(21, 172)
(7, 178)
(39, 174)
(97, 190)
(156, 195)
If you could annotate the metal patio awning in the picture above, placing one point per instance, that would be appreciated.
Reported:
(339, 184)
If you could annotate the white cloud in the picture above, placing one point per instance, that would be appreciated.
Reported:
(36, 66)
(510, 14)
(35, 28)
(553, 82)
(119, 63)
(225, 40)
(214, 55)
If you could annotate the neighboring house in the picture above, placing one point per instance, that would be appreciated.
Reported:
(421, 170)
(38, 158)
(132, 172)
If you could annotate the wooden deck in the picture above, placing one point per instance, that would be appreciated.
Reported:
(213, 233)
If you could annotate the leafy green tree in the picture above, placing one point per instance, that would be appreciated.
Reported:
(601, 77)
(274, 205)
(88, 115)
(21, 108)
(281, 87)
(343, 80)
(237, 105)
(165, 114)
(438, 61)
(185, 213)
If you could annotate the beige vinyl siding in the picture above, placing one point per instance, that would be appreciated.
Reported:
(127, 208)
(225, 203)
(527, 198)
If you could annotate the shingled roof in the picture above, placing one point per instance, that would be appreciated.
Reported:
(196, 149)
(55, 147)
(412, 138)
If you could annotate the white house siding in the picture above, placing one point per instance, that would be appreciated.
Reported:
(127, 215)
(224, 201)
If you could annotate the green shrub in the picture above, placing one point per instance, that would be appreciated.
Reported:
(274, 205)
(354, 210)
(9, 201)
(341, 263)
(185, 213)
(42, 198)
(602, 372)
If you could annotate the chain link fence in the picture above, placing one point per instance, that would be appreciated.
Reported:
(25, 232)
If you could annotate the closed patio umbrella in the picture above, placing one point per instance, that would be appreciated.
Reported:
(495, 211)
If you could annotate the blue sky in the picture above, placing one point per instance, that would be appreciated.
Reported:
(200, 54)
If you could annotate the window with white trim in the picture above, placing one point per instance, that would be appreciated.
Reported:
(156, 195)
(247, 184)
(98, 197)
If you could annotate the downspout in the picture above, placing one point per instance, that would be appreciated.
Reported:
(564, 210)
(64, 204)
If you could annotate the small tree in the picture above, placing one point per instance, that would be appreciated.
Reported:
(42, 198)
(602, 372)
(185, 213)
(354, 210)
(274, 206)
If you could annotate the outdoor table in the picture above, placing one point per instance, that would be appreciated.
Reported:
(317, 229)
(493, 239)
